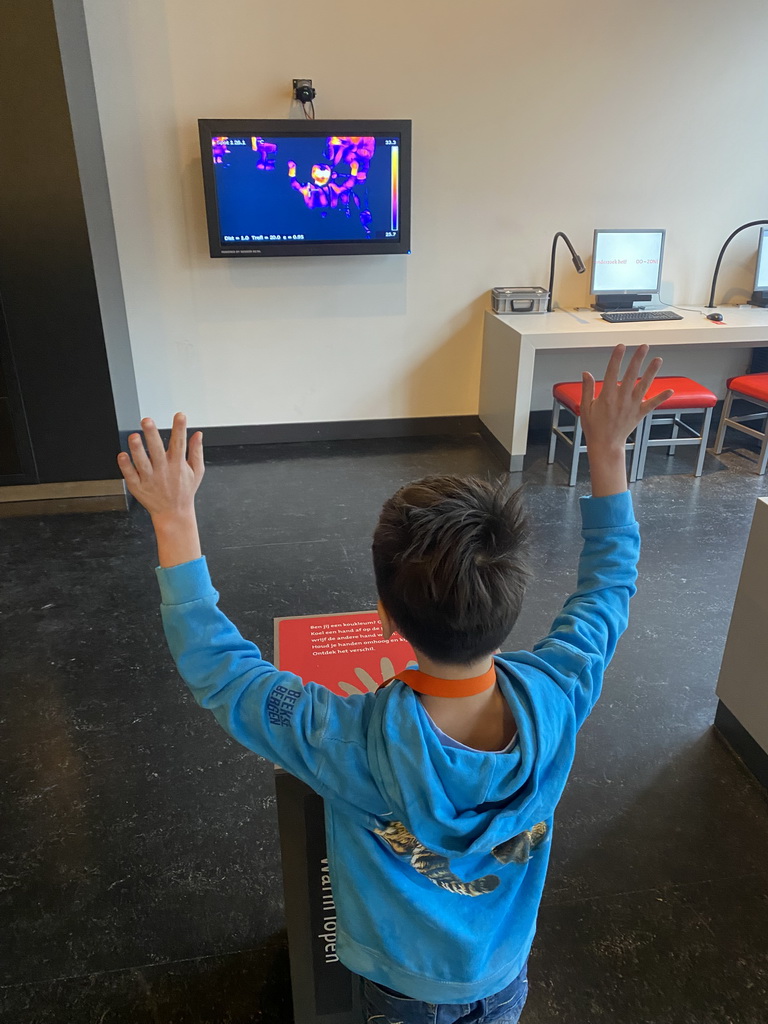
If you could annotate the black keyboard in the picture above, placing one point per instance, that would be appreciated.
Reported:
(637, 315)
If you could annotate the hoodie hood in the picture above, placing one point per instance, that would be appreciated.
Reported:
(465, 802)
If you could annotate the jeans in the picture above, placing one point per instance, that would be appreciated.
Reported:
(382, 1006)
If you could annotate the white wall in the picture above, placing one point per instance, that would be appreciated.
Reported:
(529, 117)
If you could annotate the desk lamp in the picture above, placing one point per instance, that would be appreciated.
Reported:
(726, 243)
(577, 262)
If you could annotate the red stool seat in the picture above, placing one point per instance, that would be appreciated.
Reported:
(569, 395)
(688, 394)
(753, 384)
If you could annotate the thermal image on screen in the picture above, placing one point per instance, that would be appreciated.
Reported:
(220, 149)
(306, 189)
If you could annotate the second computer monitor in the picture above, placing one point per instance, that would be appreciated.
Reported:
(626, 266)
(760, 294)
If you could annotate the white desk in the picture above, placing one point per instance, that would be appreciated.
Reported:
(510, 344)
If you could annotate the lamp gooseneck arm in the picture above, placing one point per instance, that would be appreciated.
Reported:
(559, 234)
(726, 243)
(577, 262)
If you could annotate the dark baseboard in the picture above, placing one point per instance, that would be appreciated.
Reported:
(496, 447)
(539, 424)
(741, 743)
(359, 430)
(343, 430)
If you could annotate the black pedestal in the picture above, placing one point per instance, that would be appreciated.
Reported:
(324, 991)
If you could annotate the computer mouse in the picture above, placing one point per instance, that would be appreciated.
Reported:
(714, 316)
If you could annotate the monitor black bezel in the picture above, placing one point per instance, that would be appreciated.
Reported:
(210, 127)
(627, 231)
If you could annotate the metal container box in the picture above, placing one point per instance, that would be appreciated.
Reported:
(519, 300)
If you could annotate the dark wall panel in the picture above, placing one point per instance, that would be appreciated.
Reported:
(47, 283)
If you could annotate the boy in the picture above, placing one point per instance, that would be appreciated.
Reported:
(440, 788)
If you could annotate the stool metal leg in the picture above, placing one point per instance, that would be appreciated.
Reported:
(723, 417)
(704, 438)
(762, 461)
(553, 437)
(576, 452)
(639, 431)
(671, 449)
(644, 438)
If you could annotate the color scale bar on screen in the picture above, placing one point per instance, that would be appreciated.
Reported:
(395, 184)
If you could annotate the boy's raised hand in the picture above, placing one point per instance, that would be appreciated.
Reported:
(164, 482)
(610, 418)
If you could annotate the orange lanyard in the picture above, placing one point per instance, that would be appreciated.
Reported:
(435, 686)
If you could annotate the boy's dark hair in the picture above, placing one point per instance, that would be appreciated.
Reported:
(447, 555)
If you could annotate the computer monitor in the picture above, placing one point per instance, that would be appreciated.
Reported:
(760, 294)
(626, 266)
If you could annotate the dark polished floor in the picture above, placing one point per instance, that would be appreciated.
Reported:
(140, 876)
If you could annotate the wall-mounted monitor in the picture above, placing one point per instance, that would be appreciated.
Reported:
(306, 188)
(626, 266)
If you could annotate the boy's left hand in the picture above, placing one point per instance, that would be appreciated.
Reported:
(164, 482)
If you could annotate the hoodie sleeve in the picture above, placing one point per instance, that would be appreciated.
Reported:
(268, 711)
(583, 637)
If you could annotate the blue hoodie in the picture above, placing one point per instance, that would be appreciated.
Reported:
(437, 854)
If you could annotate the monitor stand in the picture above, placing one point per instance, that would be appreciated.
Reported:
(759, 299)
(618, 303)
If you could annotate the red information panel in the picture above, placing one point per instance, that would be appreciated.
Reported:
(346, 653)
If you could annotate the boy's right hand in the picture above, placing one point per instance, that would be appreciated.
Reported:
(609, 419)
